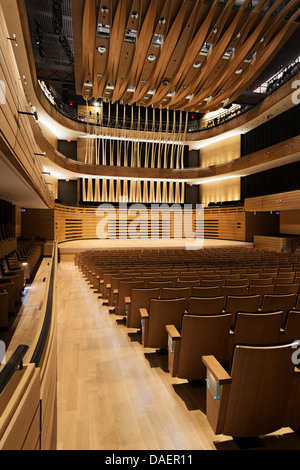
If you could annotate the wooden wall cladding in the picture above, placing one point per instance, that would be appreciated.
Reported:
(74, 223)
(38, 223)
(17, 141)
(274, 202)
(20, 419)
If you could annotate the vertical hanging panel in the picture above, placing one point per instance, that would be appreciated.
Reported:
(182, 192)
(83, 190)
(104, 191)
(158, 192)
(97, 190)
(151, 196)
(111, 190)
(138, 196)
(90, 195)
(118, 190)
(145, 191)
(165, 192)
(170, 193)
(177, 192)
(125, 190)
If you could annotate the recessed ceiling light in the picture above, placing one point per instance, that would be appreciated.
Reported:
(162, 20)
(104, 9)
(102, 49)
(151, 57)
(134, 15)
(238, 71)
(197, 65)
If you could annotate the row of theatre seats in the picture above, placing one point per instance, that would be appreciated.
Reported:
(230, 317)
(15, 269)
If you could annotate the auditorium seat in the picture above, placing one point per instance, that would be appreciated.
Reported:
(284, 280)
(202, 291)
(140, 298)
(234, 290)
(190, 283)
(261, 281)
(237, 282)
(286, 288)
(291, 328)
(255, 328)
(162, 284)
(112, 288)
(175, 293)
(258, 395)
(124, 290)
(199, 335)
(9, 286)
(242, 303)
(161, 312)
(3, 308)
(261, 290)
(273, 302)
(206, 305)
(212, 282)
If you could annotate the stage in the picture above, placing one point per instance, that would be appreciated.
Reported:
(69, 248)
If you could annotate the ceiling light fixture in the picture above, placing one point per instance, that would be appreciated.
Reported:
(238, 71)
(162, 20)
(102, 49)
(197, 65)
(151, 57)
(104, 9)
(134, 15)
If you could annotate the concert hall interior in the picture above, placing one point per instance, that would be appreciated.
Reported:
(150, 225)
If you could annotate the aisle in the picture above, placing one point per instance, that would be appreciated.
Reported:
(115, 395)
(111, 395)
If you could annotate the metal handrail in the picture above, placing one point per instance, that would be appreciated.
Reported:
(11, 366)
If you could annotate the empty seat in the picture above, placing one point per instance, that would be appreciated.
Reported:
(212, 282)
(206, 305)
(161, 312)
(3, 308)
(209, 291)
(291, 327)
(284, 280)
(199, 335)
(242, 303)
(255, 328)
(258, 395)
(286, 288)
(234, 290)
(261, 290)
(140, 298)
(237, 282)
(161, 284)
(263, 281)
(124, 290)
(190, 283)
(175, 293)
(273, 302)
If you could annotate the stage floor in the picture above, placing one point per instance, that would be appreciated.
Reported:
(67, 249)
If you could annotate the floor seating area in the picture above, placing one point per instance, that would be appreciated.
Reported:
(16, 268)
(202, 307)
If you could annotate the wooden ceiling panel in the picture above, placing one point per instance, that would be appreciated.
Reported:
(175, 54)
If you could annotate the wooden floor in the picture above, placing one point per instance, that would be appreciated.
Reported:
(115, 395)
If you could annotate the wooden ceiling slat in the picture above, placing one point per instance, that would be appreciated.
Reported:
(187, 27)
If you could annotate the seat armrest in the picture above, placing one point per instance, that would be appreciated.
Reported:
(215, 368)
(144, 313)
(173, 332)
(127, 300)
